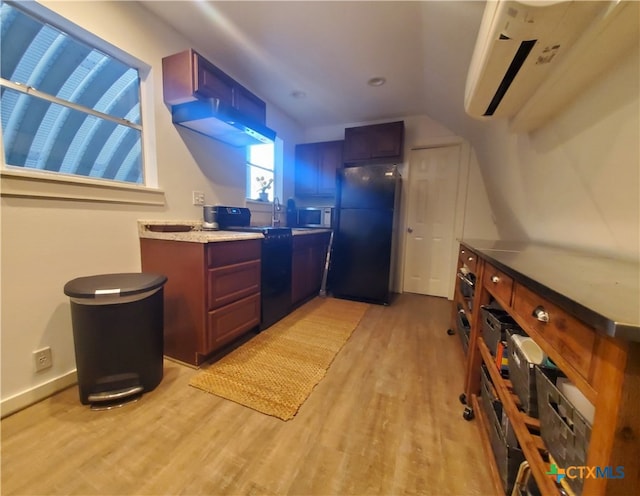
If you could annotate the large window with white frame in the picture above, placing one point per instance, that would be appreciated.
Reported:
(69, 106)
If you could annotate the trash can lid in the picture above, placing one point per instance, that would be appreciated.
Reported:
(126, 284)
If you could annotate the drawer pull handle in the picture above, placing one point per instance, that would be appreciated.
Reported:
(541, 314)
(495, 279)
(470, 259)
(462, 251)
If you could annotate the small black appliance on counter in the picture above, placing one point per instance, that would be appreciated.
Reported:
(231, 217)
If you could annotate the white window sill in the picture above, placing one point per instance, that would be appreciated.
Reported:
(27, 184)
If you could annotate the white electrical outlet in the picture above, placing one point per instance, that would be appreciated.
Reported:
(43, 358)
(198, 198)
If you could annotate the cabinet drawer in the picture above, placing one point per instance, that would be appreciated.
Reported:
(231, 321)
(233, 252)
(572, 341)
(468, 258)
(498, 284)
(228, 284)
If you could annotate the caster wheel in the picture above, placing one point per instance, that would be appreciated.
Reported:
(468, 414)
(463, 398)
(450, 332)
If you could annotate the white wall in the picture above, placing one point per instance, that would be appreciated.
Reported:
(574, 182)
(46, 243)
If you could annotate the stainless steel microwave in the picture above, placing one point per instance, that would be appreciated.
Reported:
(316, 217)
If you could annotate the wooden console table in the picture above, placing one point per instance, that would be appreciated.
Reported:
(583, 310)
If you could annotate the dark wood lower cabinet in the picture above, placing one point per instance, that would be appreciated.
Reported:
(308, 260)
(212, 295)
(230, 321)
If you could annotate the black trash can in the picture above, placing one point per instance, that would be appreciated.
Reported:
(118, 330)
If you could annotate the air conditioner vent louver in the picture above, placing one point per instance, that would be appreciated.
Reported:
(519, 58)
(518, 44)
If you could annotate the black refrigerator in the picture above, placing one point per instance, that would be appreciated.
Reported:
(362, 265)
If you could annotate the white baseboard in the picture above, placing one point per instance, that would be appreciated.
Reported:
(22, 400)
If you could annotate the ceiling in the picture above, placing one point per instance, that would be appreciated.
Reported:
(328, 50)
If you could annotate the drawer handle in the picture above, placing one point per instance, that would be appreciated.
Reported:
(470, 259)
(495, 279)
(541, 314)
(462, 251)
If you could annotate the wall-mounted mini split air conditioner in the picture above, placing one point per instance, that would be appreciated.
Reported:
(518, 44)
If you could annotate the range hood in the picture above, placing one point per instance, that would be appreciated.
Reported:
(222, 122)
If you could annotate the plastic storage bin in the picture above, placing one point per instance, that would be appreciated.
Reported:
(504, 444)
(488, 397)
(118, 337)
(565, 432)
(523, 378)
(495, 322)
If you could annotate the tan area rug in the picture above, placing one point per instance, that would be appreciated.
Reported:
(275, 371)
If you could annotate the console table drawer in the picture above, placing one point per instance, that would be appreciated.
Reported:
(468, 258)
(498, 284)
(571, 340)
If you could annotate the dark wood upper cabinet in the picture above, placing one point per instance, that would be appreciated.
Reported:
(211, 82)
(249, 104)
(377, 142)
(316, 165)
(187, 76)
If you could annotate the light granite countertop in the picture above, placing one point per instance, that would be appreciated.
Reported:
(197, 235)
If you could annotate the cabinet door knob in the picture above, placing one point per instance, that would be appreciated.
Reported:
(541, 314)
(495, 279)
(409, 230)
(470, 259)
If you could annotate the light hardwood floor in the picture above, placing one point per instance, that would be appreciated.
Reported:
(386, 420)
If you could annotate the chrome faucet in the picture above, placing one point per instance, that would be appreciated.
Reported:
(275, 218)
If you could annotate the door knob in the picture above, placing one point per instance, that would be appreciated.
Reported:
(409, 230)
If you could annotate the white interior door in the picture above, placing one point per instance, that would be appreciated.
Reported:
(433, 179)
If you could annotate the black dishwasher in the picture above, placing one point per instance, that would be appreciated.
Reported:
(276, 275)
